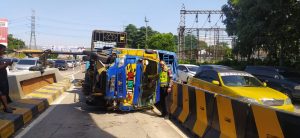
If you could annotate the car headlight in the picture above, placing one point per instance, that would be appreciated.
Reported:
(121, 62)
(288, 101)
(297, 87)
(248, 100)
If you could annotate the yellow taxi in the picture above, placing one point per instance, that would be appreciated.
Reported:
(241, 85)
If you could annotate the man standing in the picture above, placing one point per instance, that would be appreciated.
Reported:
(4, 87)
(165, 86)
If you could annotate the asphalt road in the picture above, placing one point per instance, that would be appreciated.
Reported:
(71, 117)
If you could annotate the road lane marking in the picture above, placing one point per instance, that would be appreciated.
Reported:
(43, 115)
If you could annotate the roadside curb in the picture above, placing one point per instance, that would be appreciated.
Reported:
(30, 107)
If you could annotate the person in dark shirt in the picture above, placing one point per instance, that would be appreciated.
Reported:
(4, 87)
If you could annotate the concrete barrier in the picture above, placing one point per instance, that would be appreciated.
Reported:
(32, 92)
(24, 82)
(30, 107)
(212, 115)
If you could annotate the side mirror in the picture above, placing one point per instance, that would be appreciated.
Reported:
(216, 82)
(264, 84)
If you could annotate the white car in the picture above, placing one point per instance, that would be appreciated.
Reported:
(70, 64)
(186, 71)
(26, 63)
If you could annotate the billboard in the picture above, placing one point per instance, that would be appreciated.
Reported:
(3, 31)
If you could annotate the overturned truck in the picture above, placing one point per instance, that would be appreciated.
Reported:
(120, 78)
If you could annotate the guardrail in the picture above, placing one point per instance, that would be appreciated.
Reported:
(212, 115)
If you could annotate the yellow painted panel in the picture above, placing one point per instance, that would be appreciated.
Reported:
(6, 128)
(60, 85)
(38, 95)
(226, 118)
(267, 123)
(57, 93)
(26, 114)
(174, 98)
(59, 88)
(185, 104)
(130, 83)
(39, 104)
(30, 101)
(41, 107)
(201, 122)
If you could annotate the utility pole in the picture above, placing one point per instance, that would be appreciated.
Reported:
(146, 21)
(32, 34)
(181, 34)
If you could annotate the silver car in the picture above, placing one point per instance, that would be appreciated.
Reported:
(25, 64)
(186, 71)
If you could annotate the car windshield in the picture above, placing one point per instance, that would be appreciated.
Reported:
(69, 61)
(60, 61)
(192, 68)
(27, 62)
(241, 81)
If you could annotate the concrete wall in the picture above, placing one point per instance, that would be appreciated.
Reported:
(15, 78)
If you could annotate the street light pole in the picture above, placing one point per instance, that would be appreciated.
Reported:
(146, 21)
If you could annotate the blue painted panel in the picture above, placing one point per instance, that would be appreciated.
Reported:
(137, 86)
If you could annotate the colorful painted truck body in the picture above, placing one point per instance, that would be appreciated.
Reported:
(132, 80)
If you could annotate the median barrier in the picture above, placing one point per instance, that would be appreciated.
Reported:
(30, 105)
(176, 109)
(207, 114)
(204, 111)
(24, 82)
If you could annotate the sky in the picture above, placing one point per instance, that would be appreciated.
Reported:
(69, 23)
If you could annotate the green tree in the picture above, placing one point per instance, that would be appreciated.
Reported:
(15, 43)
(162, 42)
(131, 31)
(53, 56)
(270, 25)
(202, 45)
(136, 37)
